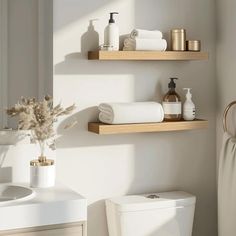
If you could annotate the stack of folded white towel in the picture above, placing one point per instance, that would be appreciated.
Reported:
(125, 113)
(145, 40)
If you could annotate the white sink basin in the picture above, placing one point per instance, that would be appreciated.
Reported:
(51, 206)
(14, 193)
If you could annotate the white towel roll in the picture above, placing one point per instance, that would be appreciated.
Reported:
(126, 113)
(146, 34)
(145, 44)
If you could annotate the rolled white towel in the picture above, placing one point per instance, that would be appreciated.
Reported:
(145, 44)
(126, 113)
(146, 34)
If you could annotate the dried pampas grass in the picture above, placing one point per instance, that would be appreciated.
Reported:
(39, 117)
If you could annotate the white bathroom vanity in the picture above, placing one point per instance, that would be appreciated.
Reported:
(56, 211)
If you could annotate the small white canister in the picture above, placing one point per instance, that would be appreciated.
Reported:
(42, 174)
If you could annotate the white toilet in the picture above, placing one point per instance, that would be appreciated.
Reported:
(160, 214)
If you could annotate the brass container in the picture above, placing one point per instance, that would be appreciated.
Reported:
(178, 40)
(44, 162)
(193, 45)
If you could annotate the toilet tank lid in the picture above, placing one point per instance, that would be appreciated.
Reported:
(143, 202)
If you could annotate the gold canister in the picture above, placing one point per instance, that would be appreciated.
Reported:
(193, 45)
(178, 40)
(46, 162)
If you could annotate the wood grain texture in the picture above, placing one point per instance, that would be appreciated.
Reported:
(147, 55)
(100, 128)
(75, 229)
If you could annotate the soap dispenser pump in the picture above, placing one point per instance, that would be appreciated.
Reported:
(111, 33)
(172, 103)
(189, 111)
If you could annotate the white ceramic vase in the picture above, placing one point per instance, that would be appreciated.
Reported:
(42, 175)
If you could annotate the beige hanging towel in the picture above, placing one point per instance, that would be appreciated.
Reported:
(227, 187)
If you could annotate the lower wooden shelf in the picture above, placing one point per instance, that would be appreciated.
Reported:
(147, 56)
(101, 128)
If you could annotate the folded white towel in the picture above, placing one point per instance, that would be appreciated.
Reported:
(146, 34)
(145, 44)
(125, 113)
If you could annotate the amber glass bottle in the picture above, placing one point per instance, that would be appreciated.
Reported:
(172, 103)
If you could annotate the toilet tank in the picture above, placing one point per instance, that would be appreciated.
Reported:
(159, 214)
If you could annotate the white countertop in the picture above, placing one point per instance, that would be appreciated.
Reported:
(57, 205)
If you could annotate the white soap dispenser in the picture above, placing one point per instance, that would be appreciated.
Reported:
(111, 33)
(189, 111)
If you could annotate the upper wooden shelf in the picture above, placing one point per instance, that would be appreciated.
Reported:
(147, 56)
(101, 128)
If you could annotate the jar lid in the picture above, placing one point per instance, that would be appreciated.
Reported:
(178, 30)
(47, 162)
(193, 41)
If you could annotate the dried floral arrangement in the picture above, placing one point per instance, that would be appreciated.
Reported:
(39, 117)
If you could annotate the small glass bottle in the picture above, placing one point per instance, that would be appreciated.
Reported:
(172, 103)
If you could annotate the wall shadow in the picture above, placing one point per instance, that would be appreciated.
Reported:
(70, 138)
(78, 63)
(72, 11)
(3, 154)
(5, 172)
(97, 213)
(90, 39)
(89, 42)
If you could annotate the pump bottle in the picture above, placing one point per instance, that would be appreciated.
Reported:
(189, 112)
(111, 33)
(172, 103)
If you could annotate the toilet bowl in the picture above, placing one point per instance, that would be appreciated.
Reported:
(159, 214)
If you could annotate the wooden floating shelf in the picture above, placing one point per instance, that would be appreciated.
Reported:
(147, 56)
(101, 128)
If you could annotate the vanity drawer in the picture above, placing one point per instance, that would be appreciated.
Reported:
(58, 230)
(75, 231)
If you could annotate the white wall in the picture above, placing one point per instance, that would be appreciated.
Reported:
(23, 49)
(225, 66)
(103, 166)
(29, 49)
(226, 56)
(29, 74)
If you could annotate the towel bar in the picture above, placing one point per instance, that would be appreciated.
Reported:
(225, 115)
